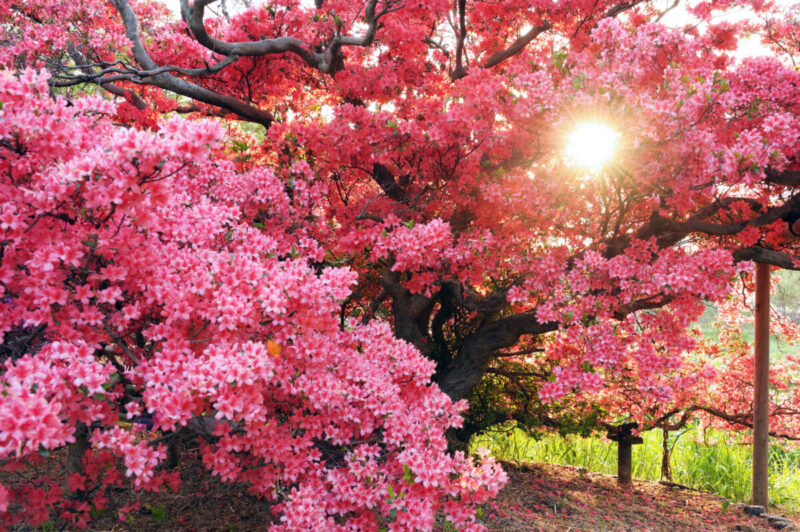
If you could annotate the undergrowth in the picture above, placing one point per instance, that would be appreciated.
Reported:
(715, 461)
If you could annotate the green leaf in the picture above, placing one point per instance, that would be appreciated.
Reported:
(159, 513)
(239, 146)
(393, 513)
(390, 491)
(725, 505)
(108, 385)
(408, 475)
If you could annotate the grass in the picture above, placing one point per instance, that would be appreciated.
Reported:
(714, 461)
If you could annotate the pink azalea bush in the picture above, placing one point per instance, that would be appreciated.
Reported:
(163, 284)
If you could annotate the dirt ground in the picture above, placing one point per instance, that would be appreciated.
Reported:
(545, 497)
(538, 497)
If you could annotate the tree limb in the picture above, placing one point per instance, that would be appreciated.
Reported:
(327, 61)
(741, 419)
(169, 82)
(476, 353)
(786, 177)
(621, 8)
(767, 256)
(384, 178)
(517, 45)
(116, 90)
(460, 71)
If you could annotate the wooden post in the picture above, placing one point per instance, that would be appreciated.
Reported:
(666, 468)
(761, 389)
(624, 461)
(623, 435)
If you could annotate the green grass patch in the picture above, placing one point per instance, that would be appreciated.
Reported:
(714, 461)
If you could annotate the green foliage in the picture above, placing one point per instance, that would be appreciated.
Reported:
(159, 513)
(787, 294)
(239, 146)
(408, 475)
(717, 461)
(785, 299)
(511, 396)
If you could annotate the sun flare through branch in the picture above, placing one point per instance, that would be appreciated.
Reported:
(591, 145)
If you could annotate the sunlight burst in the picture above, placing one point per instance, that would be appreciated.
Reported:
(591, 145)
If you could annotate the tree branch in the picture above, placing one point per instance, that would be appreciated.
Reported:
(169, 82)
(388, 184)
(621, 8)
(741, 419)
(670, 232)
(786, 177)
(517, 45)
(460, 71)
(767, 256)
(327, 61)
(374, 305)
(476, 353)
(116, 90)
(122, 72)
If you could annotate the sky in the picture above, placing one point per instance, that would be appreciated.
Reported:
(749, 47)
(174, 5)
